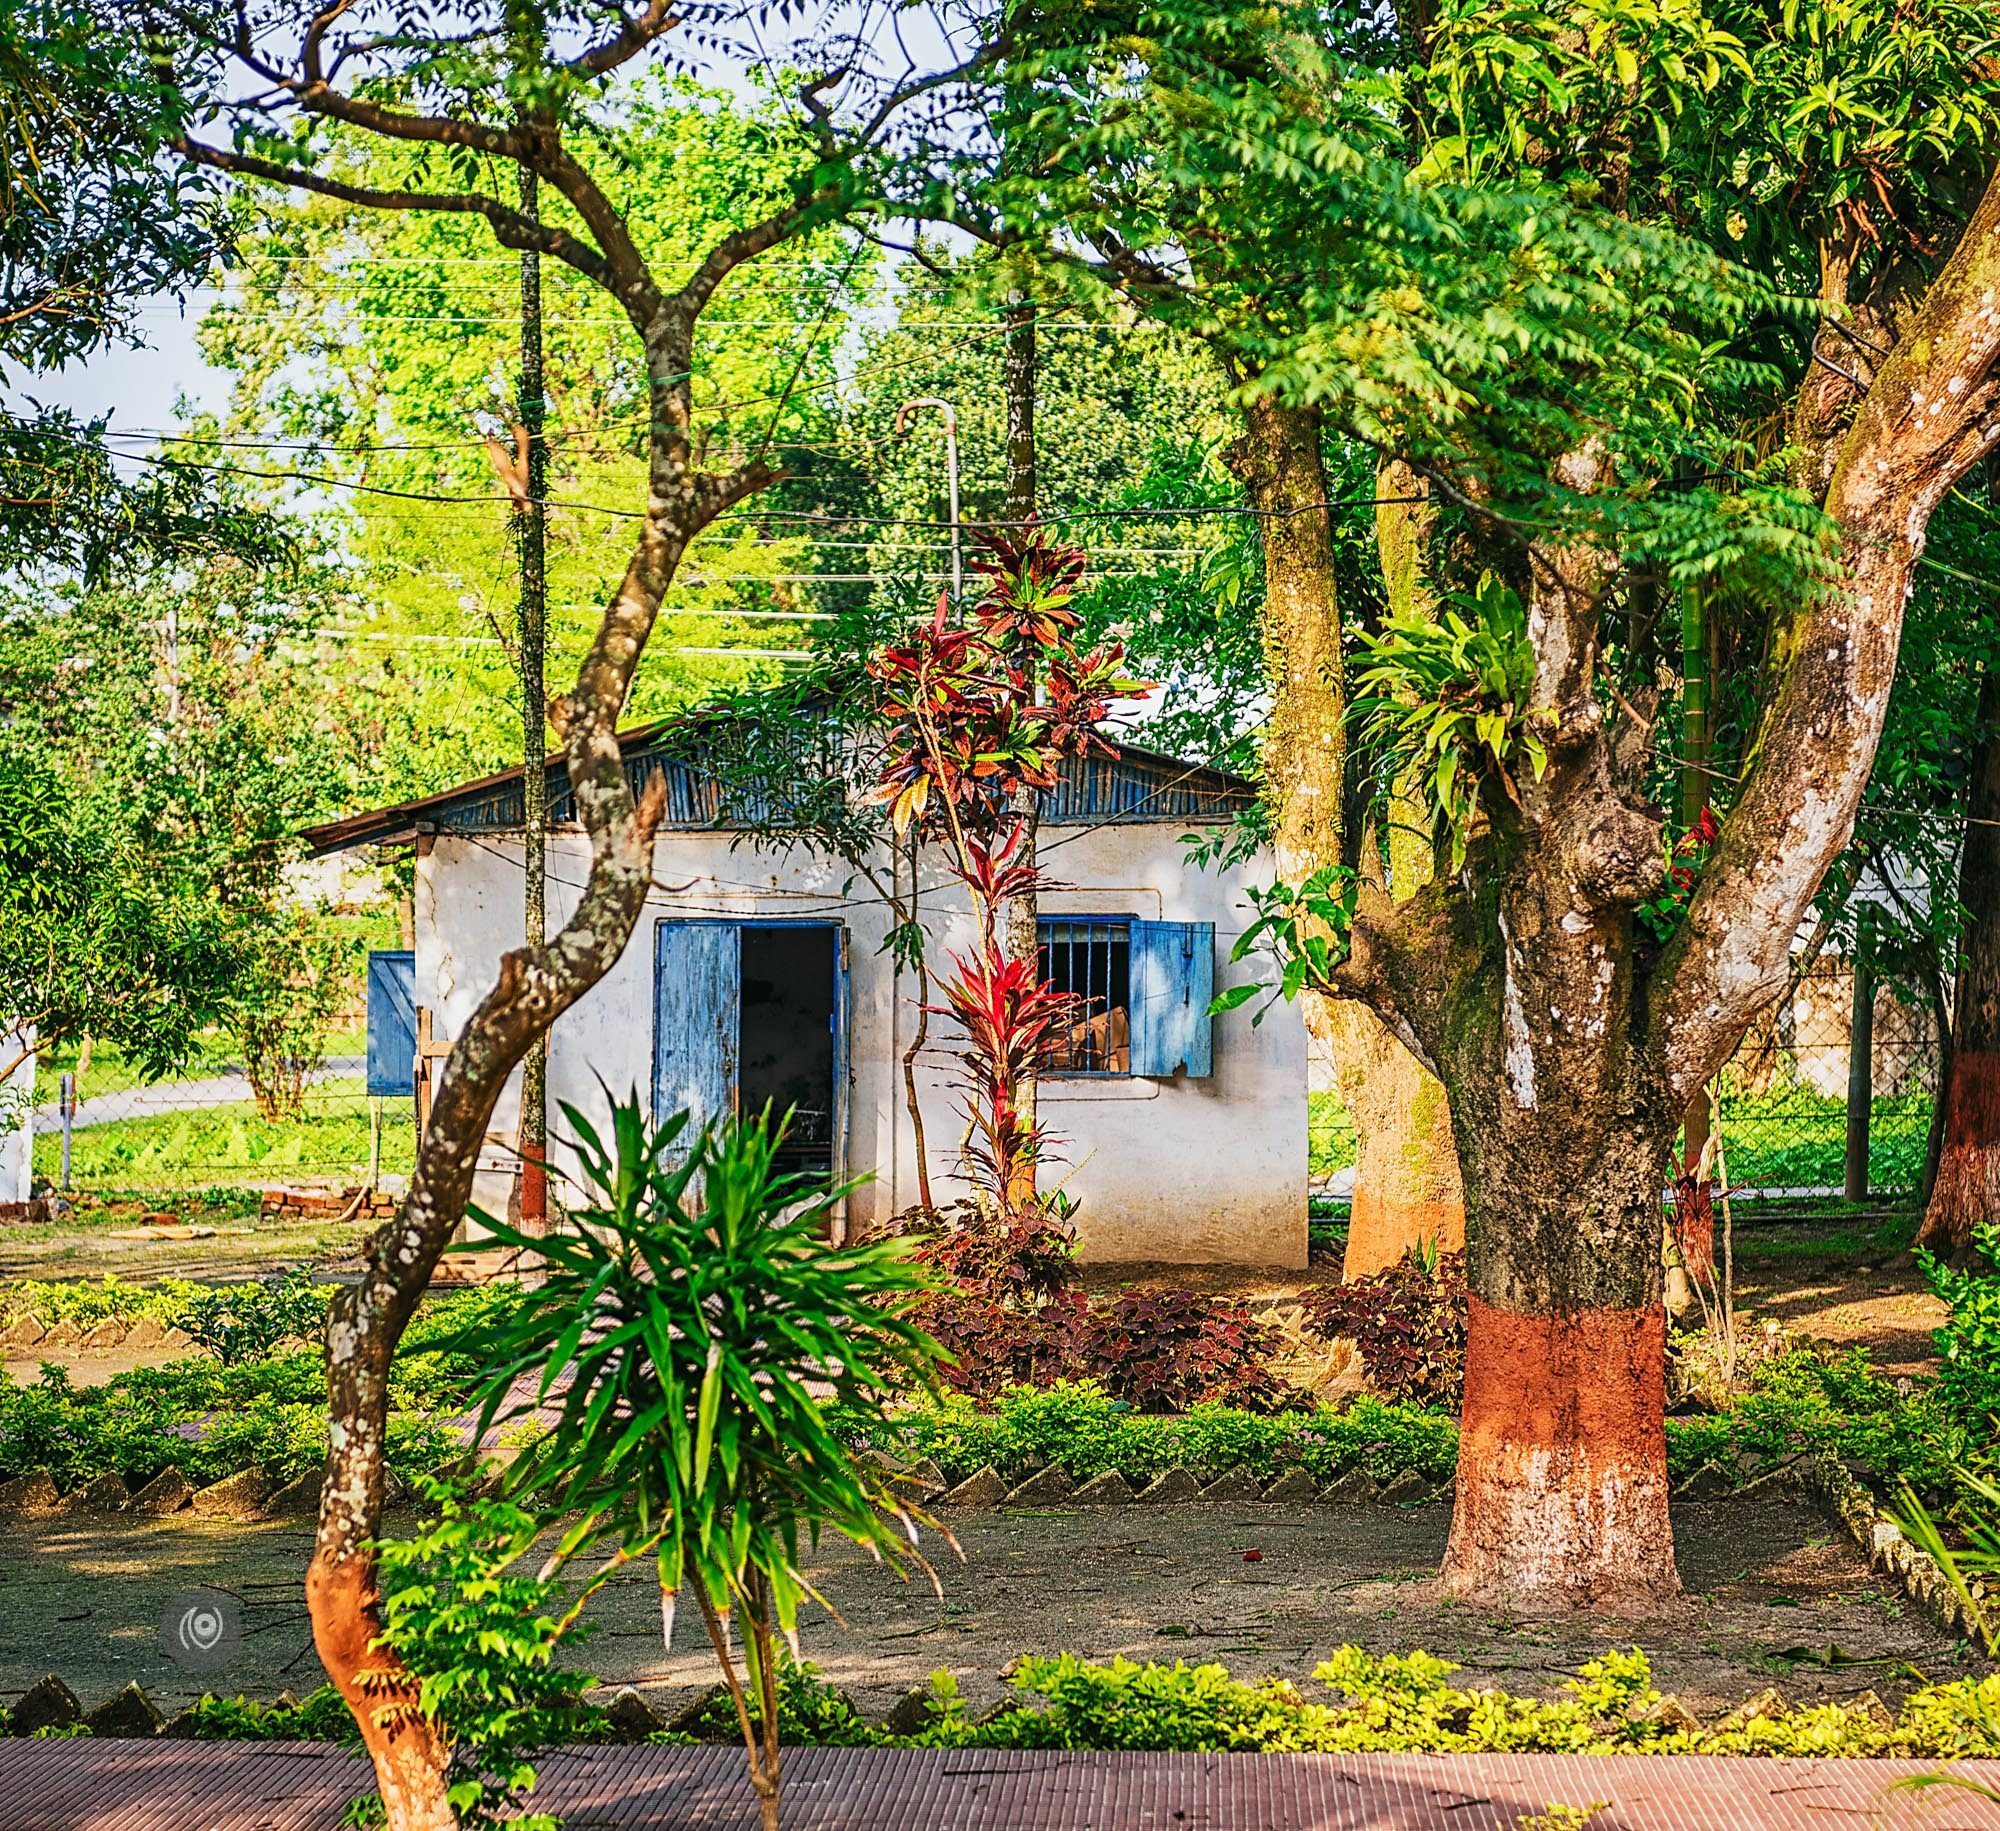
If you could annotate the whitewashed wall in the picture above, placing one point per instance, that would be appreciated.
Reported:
(1186, 1171)
(17, 1122)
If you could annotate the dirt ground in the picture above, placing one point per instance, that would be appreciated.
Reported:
(1776, 1598)
(239, 1246)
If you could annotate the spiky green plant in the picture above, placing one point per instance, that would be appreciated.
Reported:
(689, 1336)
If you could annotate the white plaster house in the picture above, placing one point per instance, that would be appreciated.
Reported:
(17, 1116)
(759, 974)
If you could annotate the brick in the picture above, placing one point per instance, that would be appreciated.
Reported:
(105, 1495)
(1172, 1487)
(47, 1704)
(1352, 1489)
(238, 1496)
(129, 1715)
(167, 1492)
(1042, 1488)
(982, 1488)
(33, 1494)
(1110, 1489)
(1232, 1489)
(1293, 1488)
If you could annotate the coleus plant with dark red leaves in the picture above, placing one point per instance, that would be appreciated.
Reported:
(975, 710)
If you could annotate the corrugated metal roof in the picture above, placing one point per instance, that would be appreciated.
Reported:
(93, 1785)
(1129, 786)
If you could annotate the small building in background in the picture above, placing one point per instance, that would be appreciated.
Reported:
(761, 974)
(17, 1116)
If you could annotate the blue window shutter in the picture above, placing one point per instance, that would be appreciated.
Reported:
(697, 1019)
(1173, 981)
(392, 1022)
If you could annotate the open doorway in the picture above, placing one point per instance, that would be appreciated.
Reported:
(789, 1037)
(748, 1015)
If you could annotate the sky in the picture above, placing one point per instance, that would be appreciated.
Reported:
(139, 387)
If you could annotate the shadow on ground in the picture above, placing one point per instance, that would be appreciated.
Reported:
(1776, 1599)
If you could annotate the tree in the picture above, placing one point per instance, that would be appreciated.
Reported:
(332, 332)
(1965, 1192)
(451, 89)
(1549, 363)
(94, 218)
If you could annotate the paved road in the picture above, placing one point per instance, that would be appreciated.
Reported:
(179, 1096)
(89, 1785)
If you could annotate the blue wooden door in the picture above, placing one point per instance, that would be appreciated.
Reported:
(392, 1022)
(1173, 982)
(697, 1017)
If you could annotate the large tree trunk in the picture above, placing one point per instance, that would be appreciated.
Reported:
(1562, 1460)
(1406, 1185)
(1407, 1191)
(1967, 1188)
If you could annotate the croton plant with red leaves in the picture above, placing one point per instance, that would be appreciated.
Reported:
(977, 709)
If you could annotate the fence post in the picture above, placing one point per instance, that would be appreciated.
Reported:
(1860, 1083)
(66, 1105)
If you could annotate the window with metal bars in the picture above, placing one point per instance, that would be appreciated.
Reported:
(1092, 962)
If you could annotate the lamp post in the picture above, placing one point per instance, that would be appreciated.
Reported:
(949, 414)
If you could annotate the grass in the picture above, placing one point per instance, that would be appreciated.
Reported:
(228, 1144)
(1790, 1137)
(216, 1053)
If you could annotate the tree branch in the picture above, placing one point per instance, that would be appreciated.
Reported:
(510, 228)
(1928, 414)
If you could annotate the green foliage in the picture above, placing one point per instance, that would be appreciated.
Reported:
(238, 1322)
(1443, 703)
(1395, 1703)
(1969, 1343)
(209, 1420)
(677, 1335)
(87, 1303)
(292, 978)
(1079, 1427)
(97, 942)
(811, 1714)
(483, 1641)
(1408, 1704)
(197, 1149)
(320, 1716)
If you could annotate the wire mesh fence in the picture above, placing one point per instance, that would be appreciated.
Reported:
(213, 1126)
(1783, 1102)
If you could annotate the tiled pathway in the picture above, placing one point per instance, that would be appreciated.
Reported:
(85, 1785)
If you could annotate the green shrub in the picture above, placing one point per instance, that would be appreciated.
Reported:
(1078, 1426)
(483, 1640)
(1407, 1703)
(236, 1322)
(811, 1714)
(86, 1304)
(320, 1716)
(1969, 1344)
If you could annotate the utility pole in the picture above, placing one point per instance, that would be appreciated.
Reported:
(530, 541)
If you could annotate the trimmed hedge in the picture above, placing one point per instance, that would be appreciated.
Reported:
(1366, 1704)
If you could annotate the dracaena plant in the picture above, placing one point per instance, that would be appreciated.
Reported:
(690, 1336)
(976, 710)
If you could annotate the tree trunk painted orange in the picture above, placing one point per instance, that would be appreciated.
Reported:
(1562, 1466)
(412, 1761)
(1967, 1190)
(1406, 1183)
